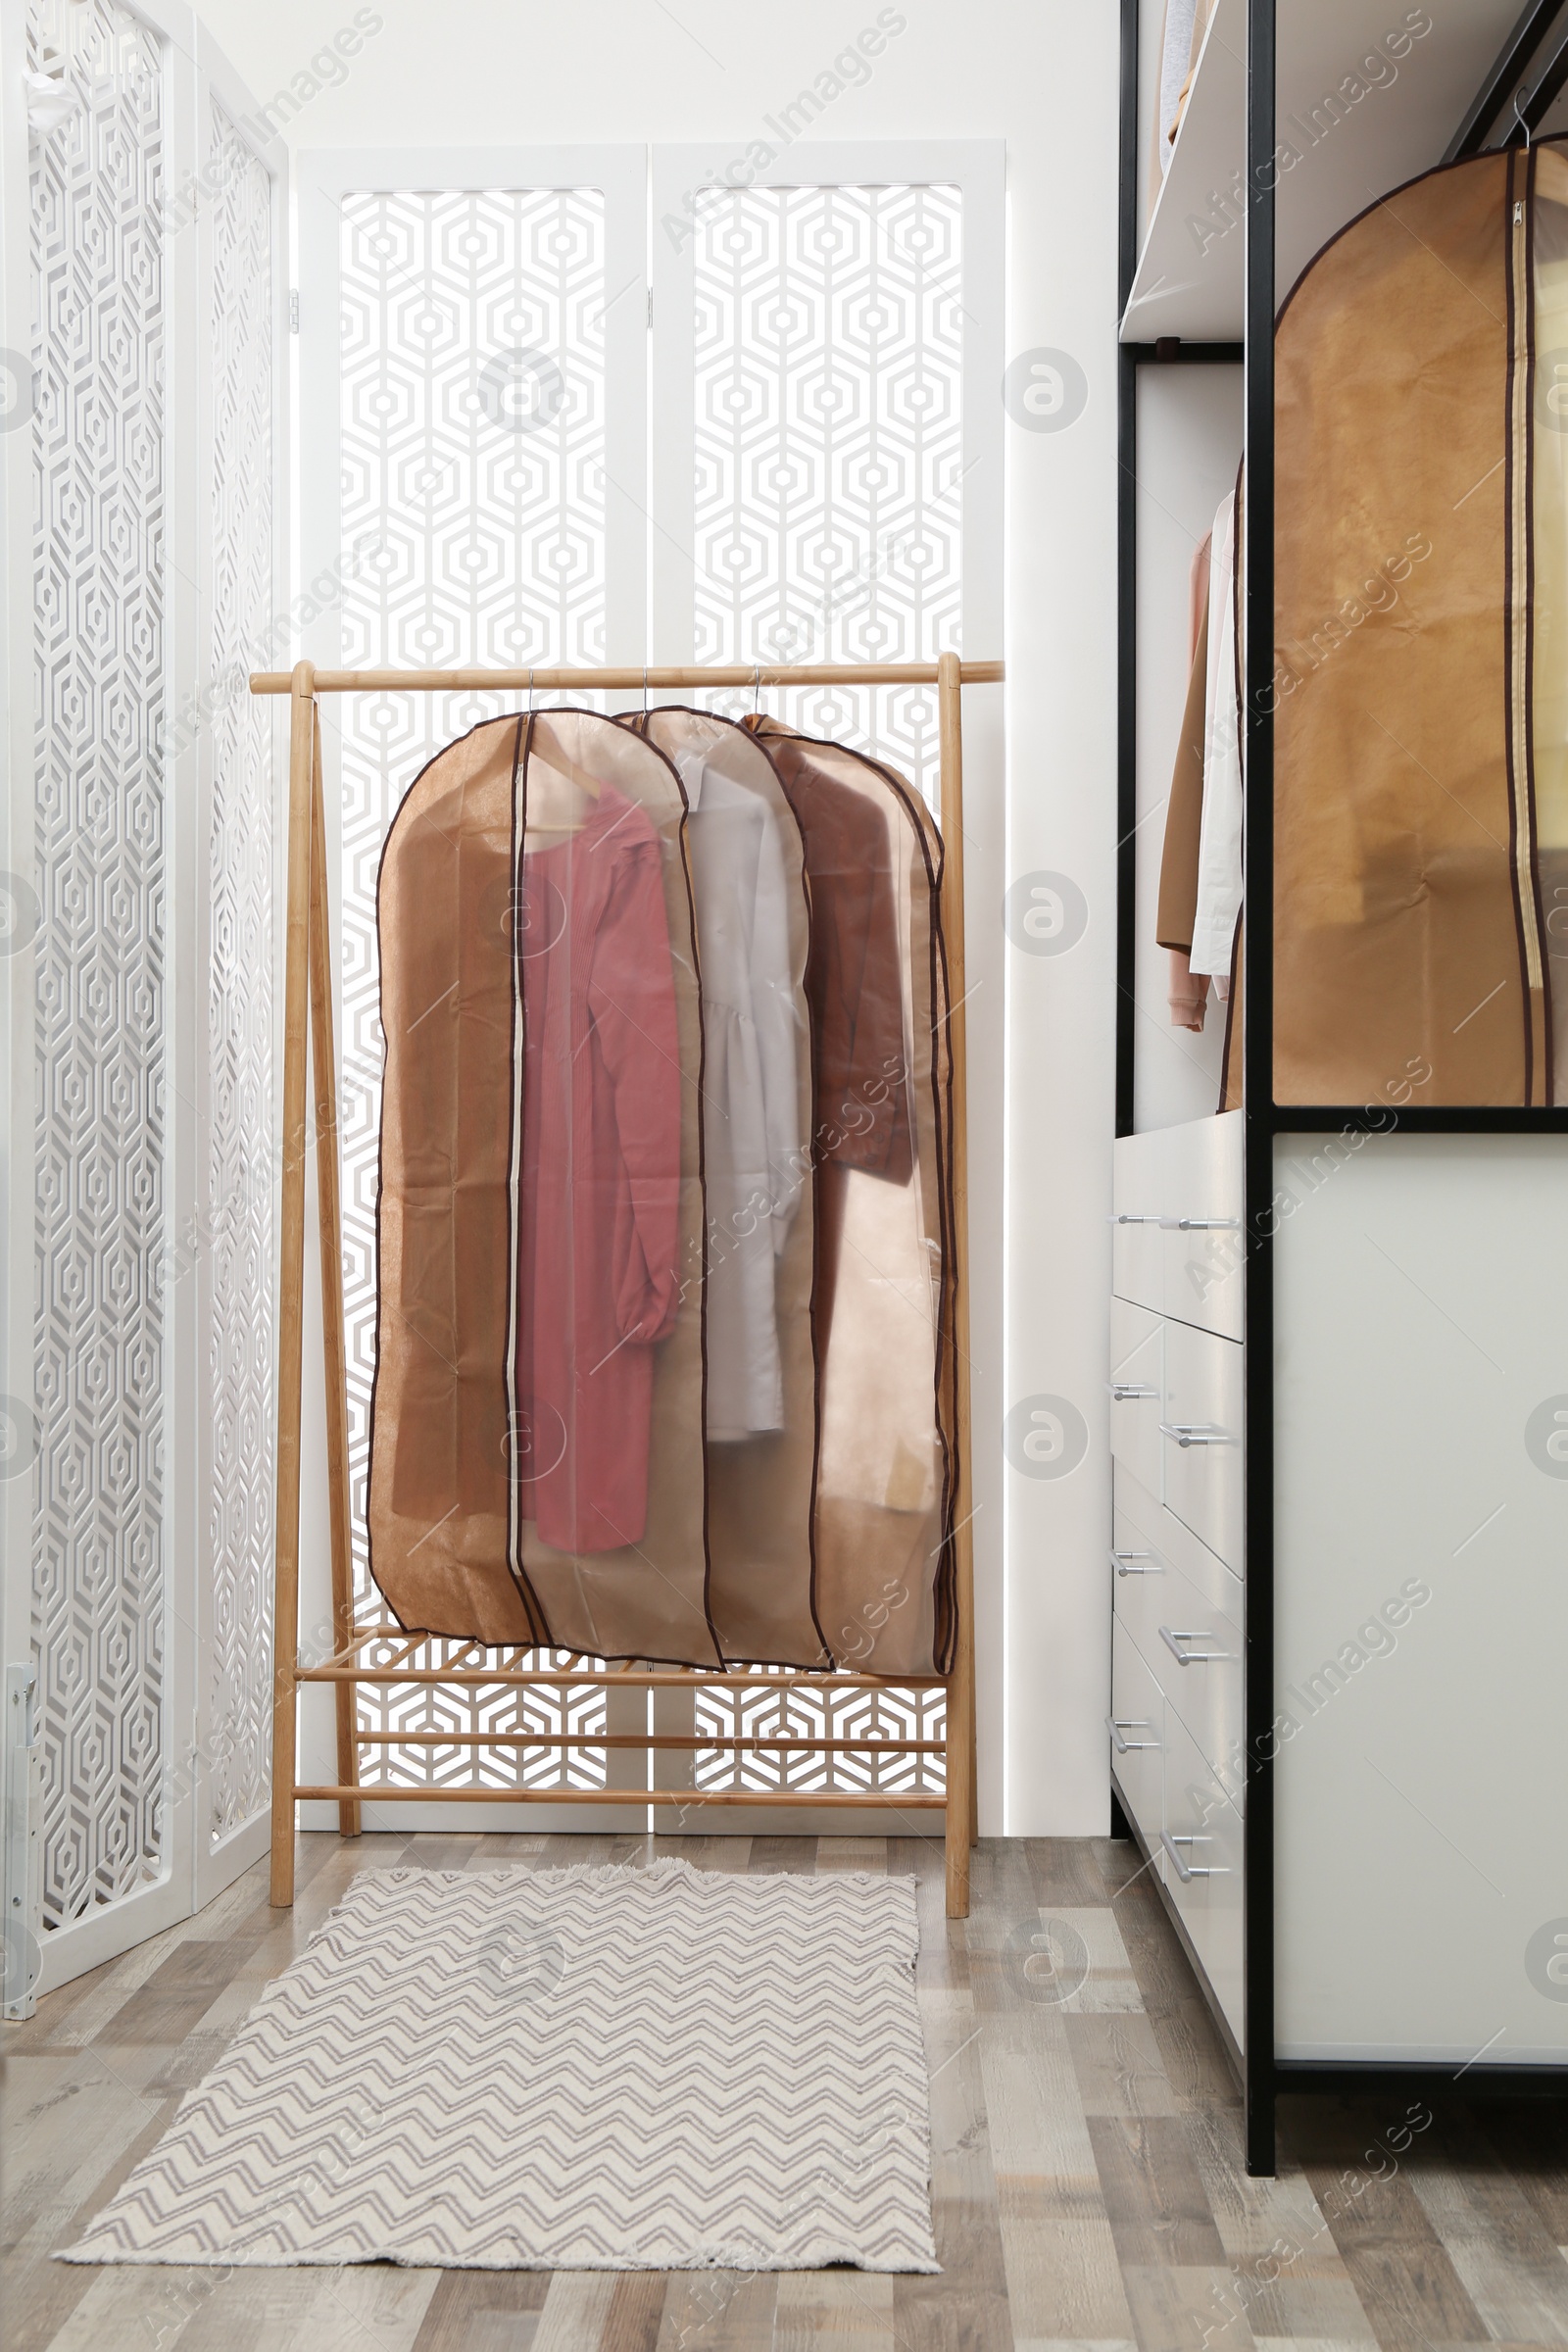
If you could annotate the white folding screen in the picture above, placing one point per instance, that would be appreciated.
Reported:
(473, 385)
(242, 549)
(478, 420)
(474, 486)
(144, 236)
(100, 431)
(827, 446)
(827, 488)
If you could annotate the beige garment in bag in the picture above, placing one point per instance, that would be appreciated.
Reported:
(1177, 905)
(762, 1223)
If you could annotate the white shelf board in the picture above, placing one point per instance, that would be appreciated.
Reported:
(1351, 149)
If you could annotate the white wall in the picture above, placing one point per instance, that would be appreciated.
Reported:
(1042, 74)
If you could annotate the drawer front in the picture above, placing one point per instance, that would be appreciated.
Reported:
(1194, 1647)
(1201, 1836)
(1201, 1233)
(1141, 1583)
(1198, 1649)
(1146, 1519)
(1202, 1437)
(1138, 1244)
(1138, 1738)
(1136, 1389)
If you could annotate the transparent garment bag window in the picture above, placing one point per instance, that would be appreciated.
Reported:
(761, 1421)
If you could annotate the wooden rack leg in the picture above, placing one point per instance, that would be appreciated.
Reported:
(330, 1225)
(292, 1261)
(961, 1815)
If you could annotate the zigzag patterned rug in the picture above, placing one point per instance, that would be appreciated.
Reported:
(582, 2068)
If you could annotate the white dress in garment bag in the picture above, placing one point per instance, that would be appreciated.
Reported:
(752, 1151)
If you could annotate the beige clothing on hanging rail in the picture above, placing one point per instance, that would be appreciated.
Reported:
(1219, 847)
(1183, 815)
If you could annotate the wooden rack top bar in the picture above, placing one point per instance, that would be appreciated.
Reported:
(630, 681)
(674, 1678)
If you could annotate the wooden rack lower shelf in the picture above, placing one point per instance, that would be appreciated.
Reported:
(307, 1031)
(701, 1742)
(348, 1669)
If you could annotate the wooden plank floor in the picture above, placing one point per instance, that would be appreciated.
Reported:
(1089, 2188)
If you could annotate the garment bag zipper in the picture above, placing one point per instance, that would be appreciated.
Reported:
(1519, 522)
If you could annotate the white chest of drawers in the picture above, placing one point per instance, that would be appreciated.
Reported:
(1419, 1609)
(1175, 1385)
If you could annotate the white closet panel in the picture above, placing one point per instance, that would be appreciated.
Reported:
(1421, 1611)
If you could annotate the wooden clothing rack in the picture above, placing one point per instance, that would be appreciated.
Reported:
(308, 1016)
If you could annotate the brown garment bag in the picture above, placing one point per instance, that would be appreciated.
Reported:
(759, 1486)
(1421, 727)
(536, 1451)
(882, 1144)
(541, 1469)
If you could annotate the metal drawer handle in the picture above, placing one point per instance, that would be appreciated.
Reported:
(1128, 1747)
(1122, 1562)
(1200, 1224)
(1196, 1433)
(1172, 1636)
(1191, 1870)
(1153, 1220)
(1125, 1391)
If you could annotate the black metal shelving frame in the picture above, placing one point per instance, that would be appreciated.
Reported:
(1500, 114)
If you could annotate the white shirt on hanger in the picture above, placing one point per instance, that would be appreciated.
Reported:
(1219, 844)
(1175, 58)
(752, 1151)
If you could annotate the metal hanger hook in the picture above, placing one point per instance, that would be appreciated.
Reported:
(1519, 97)
(530, 690)
(756, 691)
(644, 690)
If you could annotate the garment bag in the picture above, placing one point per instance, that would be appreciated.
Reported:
(753, 932)
(1421, 730)
(536, 1468)
(876, 984)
